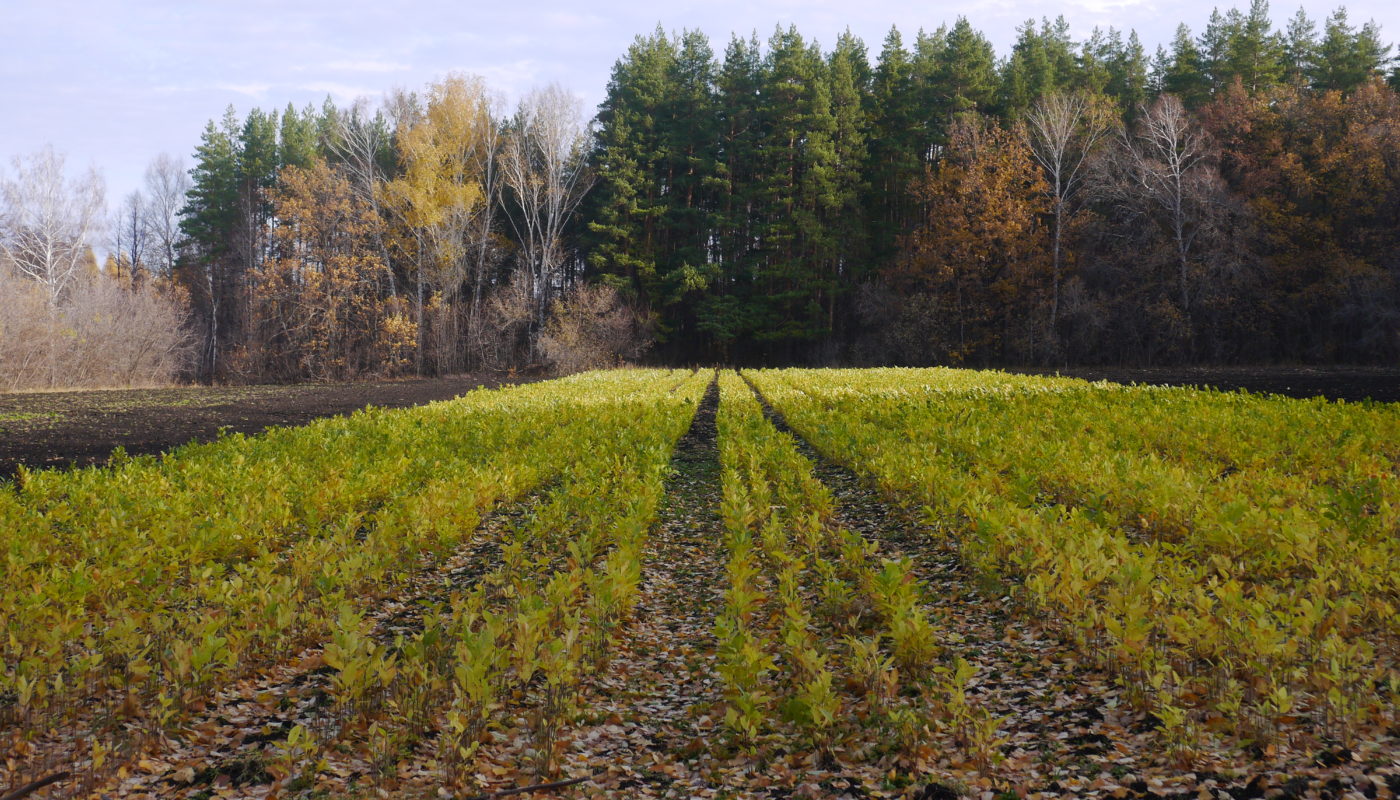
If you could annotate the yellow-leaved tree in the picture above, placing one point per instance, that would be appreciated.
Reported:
(443, 205)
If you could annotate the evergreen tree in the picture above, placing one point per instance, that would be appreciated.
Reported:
(1256, 53)
(209, 221)
(1097, 58)
(690, 143)
(798, 190)
(966, 77)
(1041, 61)
(929, 112)
(212, 202)
(1127, 72)
(848, 72)
(1348, 57)
(1300, 48)
(298, 141)
(627, 205)
(895, 157)
(725, 315)
(1214, 47)
(1185, 74)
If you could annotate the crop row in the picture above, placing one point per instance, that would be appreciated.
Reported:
(1231, 557)
(141, 587)
(817, 630)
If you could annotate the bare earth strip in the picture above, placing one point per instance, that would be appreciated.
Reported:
(648, 715)
(80, 428)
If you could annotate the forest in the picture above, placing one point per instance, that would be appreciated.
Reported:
(1232, 197)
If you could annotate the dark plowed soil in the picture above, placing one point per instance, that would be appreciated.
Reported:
(1352, 384)
(62, 429)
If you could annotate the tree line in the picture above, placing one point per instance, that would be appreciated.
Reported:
(428, 235)
(1232, 197)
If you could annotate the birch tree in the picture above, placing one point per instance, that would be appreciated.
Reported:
(47, 220)
(167, 183)
(362, 146)
(130, 238)
(1064, 131)
(544, 166)
(1170, 170)
(440, 193)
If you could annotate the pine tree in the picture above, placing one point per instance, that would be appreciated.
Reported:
(1256, 53)
(1348, 57)
(1300, 48)
(848, 72)
(1127, 73)
(212, 202)
(726, 314)
(690, 142)
(209, 221)
(1185, 75)
(797, 189)
(1214, 47)
(298, 141)
(627, 206)
(895, 158)
(1041, 61)
(966, 76)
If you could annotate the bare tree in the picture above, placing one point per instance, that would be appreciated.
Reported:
(46, 221)
(1065, 131)
(25, 332)
(544, 165)
(167, 183)
(592, 327)
(1171, 167)
(488, 143)
(120, 336)
(358, 140)
(130, 238)
(103, 334)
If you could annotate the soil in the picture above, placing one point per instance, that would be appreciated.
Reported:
(80, 428)
(1352, 384)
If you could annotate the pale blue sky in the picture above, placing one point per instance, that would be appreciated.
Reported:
(112, 84)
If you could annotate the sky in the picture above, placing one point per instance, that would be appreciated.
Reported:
(113, 84)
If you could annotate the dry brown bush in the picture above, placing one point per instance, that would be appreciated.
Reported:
(593, 328)
(102, 334)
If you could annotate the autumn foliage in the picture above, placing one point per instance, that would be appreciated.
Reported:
(317, 310)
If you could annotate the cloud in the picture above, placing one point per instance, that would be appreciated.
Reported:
(1106, 6)
(571, 20)
(340, 92)
(254, 90)
(365, 65)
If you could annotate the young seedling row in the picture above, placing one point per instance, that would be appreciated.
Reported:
(1220, 566)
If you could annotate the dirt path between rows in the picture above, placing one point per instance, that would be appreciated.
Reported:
(648, 714)
(226, 747)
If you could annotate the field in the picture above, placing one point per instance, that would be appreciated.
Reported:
(81, 428)
(768, 584)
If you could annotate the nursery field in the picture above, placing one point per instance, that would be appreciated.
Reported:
(767, 584)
